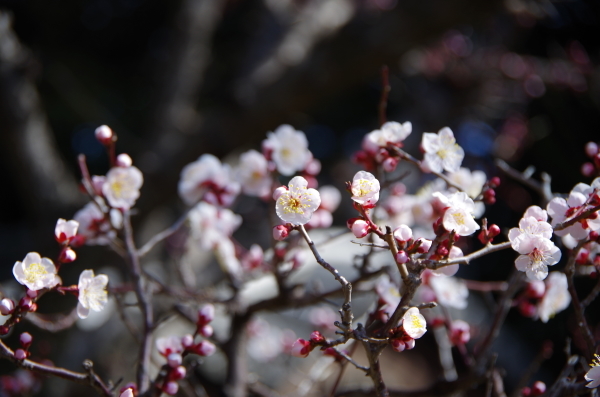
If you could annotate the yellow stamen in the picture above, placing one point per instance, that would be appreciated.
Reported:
(33, 272)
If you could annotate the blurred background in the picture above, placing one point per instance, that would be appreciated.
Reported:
(516, 80)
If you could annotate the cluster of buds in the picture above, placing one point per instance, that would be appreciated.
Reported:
(591, 168)
(206, 315)
(25, 339)
(65, 233)
(303, 347)
(487, 233)
(488, 193)
(378, 146)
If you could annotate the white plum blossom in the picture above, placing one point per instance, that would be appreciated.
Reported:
(593, 375)
(450, 291)
(225, 253)
(210, 224)
(391, 132)
(538, 213)
(459, 214)
(471, 182)
(35, 272)
(441, 151)
(92, 293)
(93, 224)
(122, 186)
(528, 227)
(296, 204)
(365, 188)
(414, 323)
(207, 179)
(537, 253)
(253, 174)
(65, 230)
(288, 148)
(168, 345)
(556, 297)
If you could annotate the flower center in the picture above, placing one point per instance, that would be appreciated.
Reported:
(416, 321)
(117, 188)
(442, 153)
(34, 271)
(286, 153)
(459, 218)
(292, 205)
(362, 188)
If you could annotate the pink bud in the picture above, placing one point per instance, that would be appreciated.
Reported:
(187, 340)
(410, 344)
(206, 314)
(313, 167)
(25, 340)
(588, 169)
(398, 345)
(493, 230)
(278, 192)
(591, 149)
(390, 164)
(26, 303)
(403, 233)
(67, 255)
(104, 135)
(32, 294)
(425, 245)
(97, 183)
(316, 337)
(206, 331)
(460, 332)
(20, 354)
(538, 388)
(4, 330)
(123, 160)
(205, 348)
(65, 231)
(535, 288)
(280, 232)
(171, 388)
(179, 372)
(174, 360)
(6, 306)
(301, 348)
(360, 228)
(401, 257)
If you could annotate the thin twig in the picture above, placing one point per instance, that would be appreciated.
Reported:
(163, 235)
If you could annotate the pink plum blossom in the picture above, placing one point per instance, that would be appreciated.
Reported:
(365, 189)
(414, 323)
(65, 230)
(537, 254)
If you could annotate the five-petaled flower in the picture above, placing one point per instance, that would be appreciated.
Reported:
(288, 148)
(122, 186)
(459, 214)
(296, 204)
(537, 254)
(414, 323)
(92, 293)
(365, 189)
(441, 151)
(35, 272)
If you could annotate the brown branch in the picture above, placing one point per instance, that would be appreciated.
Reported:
(145, 306)
(53, 323)
(488, 249)
(88, 378)
(542, 188)
(163, 235)
(584, 215)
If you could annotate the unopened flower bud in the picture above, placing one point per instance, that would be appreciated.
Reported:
(26, 304)
(527, 309)
(4, 330)
(280, 232)
(313, 167)
(526, 392)
(171, 388)
(174, 360)
(460, 332)
(588, 169)
(179, 372)
(390, 164)
(32, 294)
(360, 228)
(206, 314)
(535, 289)
(538, 388)
(20, 354)
(206, 331)
(316, 337)
(410, 344)
(205, 348)
(6, 306)
(124, 161)
(301, 348)
(25, 340)
(104, 135)
(489, 196)
(403, 233)
(97, 183)
(398, 345)
(425, 246)
(67, 255)
(65, 230)
(401, 257)
(187, 340)
(494, 182)
(591, 149)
